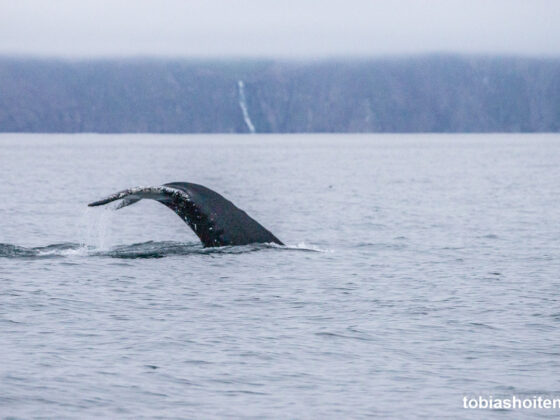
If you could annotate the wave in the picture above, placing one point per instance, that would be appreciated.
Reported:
(150, 249)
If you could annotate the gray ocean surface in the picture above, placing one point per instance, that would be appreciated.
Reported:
(419, 269)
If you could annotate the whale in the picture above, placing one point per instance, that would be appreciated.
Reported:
(214, 219)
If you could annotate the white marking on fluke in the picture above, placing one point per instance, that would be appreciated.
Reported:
(132, 195)
(244, 109)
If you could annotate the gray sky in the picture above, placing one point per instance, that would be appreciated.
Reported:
(282, 28)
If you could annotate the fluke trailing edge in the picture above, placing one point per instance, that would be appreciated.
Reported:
(214, 219)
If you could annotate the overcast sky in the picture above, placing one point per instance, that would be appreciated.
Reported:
(281, 28)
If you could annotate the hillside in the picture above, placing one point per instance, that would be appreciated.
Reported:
(421, 94)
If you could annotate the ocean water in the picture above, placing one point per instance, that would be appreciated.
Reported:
(419, 269)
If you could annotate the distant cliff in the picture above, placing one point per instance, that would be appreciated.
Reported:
(421, 94)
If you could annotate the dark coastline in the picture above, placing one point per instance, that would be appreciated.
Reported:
(435, 93)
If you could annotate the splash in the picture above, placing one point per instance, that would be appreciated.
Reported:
(49, 251)
(244, 109)
(95, 229)
(142, 250)
(302, 246)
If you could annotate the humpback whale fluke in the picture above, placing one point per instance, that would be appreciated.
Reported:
(214, 219)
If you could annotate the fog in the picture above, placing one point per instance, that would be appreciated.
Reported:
(288, 28)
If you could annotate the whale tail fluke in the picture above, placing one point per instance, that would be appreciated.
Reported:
(213, 218)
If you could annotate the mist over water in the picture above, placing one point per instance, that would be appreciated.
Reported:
(419, 269)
